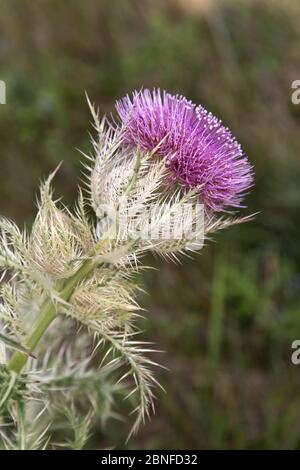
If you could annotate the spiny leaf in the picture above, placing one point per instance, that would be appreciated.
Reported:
(15, 345)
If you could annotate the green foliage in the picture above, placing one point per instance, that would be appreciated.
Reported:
(15, 386)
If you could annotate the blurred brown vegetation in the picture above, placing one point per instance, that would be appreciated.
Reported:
(227, 319)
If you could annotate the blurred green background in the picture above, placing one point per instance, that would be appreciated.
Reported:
(226, 319)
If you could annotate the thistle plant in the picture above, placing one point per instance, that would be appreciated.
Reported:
(161, 178)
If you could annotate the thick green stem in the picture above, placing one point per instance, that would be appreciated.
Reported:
(47, 314)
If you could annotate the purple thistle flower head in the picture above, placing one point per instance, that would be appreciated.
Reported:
(199, 151)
